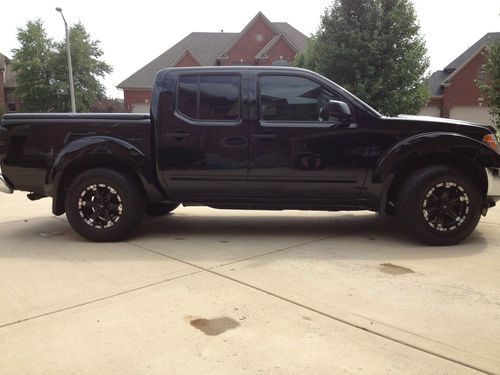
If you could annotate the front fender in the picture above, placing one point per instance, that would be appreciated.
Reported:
(418, 146)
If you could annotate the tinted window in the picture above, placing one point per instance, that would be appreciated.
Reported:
(288, 98)
(210, 97)
(187, 98)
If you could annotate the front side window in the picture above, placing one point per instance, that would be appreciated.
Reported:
(210, 97)
(290, 98)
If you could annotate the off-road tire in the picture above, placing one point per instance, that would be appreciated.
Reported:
(160, 209)
(104, 205)
(430, 198)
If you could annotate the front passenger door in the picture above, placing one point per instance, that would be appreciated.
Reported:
(296, 153)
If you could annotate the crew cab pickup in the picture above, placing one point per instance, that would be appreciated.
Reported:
(252, 138)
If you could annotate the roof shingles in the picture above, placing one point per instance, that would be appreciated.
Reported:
(439, 77)
(207, 47)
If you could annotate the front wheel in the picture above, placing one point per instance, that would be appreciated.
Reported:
(439, 205)
(104, 205)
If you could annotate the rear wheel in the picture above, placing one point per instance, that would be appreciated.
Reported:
(104, 205)
(439, 205)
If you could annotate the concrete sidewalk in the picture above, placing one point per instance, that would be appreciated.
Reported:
(228, 292)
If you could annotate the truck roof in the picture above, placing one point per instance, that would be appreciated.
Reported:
(77, 116)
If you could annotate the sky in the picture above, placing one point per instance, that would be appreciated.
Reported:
(134, 33)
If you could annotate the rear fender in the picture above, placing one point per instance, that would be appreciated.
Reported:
(99, 151)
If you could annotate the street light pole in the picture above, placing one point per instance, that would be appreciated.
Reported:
(70, 67)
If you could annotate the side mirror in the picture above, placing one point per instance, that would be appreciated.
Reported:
(338, 109)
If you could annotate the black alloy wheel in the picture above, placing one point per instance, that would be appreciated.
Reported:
(439, 204)
(446, 206)
(104, 205)
(100, 206)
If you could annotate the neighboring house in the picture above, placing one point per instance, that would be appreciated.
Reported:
(8, 101)
(261, 42)
(454, 90)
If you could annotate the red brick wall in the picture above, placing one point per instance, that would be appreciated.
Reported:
(187, 60)
(280, 49)
(132, 97)
(247, 47)
(463, 90)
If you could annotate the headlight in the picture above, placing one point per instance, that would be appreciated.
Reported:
(491, 141)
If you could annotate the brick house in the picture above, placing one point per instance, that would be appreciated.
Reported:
(261, 42)
(8, 102)
(454, 90)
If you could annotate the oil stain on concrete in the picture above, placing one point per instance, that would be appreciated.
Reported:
(393, 269)
(216, 326)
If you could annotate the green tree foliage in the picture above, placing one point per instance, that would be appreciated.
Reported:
(374, 49)
(42, 70)
(491, 88)
(32, 63)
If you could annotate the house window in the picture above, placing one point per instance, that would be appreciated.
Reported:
(11, 101)
(210, 97)
(482, 75)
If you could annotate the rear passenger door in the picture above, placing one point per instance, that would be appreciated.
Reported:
(204, 145)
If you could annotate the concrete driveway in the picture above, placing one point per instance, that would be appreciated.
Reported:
(228, 292)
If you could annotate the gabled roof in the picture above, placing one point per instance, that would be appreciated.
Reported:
(205, 46)
(298, 39)
(435, 81)
(259, 15)
(263, 53)
(440, 77)
(464, 64)
(187, 51)
(487, 40)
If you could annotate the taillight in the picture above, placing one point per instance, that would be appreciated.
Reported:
(491, 141)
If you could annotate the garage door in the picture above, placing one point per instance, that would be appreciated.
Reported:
(474, 114)
(430, 111)
(140, 108)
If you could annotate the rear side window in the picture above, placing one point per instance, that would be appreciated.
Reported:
(209, 97)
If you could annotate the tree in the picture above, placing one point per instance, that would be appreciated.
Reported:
(87, 69)
(31, 62)
(491, 87)
(42, 70)
(374, 49)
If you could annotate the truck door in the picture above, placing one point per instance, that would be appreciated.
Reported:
(296, 154)
(204, 137)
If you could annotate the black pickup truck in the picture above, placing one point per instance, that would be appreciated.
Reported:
(252, 138)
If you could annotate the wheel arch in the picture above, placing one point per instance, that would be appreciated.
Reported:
(463, 153)
(100, 152)
(461, 162)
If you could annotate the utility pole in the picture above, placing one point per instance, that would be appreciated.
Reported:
(70, 67)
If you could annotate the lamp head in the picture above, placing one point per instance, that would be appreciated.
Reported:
(59, 9)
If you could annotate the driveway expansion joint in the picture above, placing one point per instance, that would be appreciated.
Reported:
(100, 299)
(213, 271)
